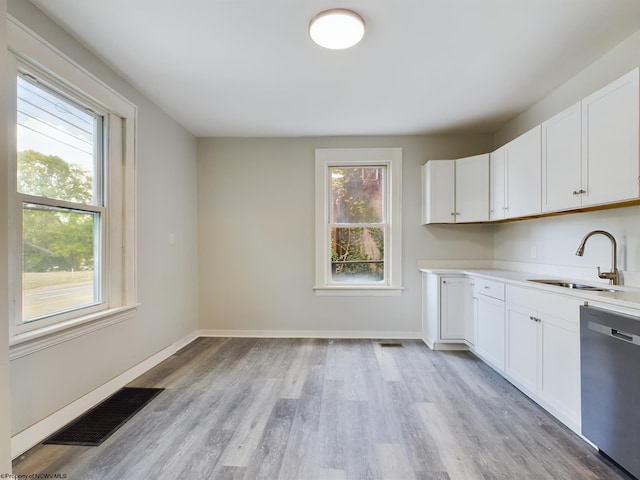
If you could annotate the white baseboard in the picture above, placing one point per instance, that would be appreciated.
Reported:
(358, 334)
(443, 347)
(180, 344)
(428, 342)
(23, 441)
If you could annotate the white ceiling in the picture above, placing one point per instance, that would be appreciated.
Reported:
(249, 68)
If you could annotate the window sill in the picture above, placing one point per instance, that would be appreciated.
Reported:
(33, 341)
(358, 291)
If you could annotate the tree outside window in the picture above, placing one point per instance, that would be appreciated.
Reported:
(357, 224)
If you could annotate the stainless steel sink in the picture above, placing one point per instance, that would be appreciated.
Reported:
(577, 286)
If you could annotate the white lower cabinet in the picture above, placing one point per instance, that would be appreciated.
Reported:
(559, 368)
(542, 350)
(522, 346)
(454, 307)
(528, 335)
(488, 308)
(471, 320)
(446, 305)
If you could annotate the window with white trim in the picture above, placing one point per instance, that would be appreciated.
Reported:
(358, 221)
(59, 172)
(72, 237)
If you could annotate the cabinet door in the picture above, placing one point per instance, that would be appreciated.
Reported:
(521, 354)
(472, 189)
(439, 191)
(453, 307)
(471, 320)
(523, 157)
(498, 178)
(561, 161)
(559, 384)
(610, 136)
(490, 339)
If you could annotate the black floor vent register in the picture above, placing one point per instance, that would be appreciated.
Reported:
(99, 423)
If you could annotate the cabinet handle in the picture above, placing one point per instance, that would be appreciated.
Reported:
(579, 192)
(534, 319)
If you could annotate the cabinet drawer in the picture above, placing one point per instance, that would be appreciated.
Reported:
(489, 288)
(560, 306)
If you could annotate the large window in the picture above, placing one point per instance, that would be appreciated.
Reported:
(72, 250)
(358, 221)
(59, 165)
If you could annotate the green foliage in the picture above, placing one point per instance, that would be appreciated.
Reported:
(357, 199)
(51, 176)
(54, 238)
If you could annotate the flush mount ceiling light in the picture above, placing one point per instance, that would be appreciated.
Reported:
(337, 28)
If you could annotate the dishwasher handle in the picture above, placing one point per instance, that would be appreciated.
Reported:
(622, 336)
(614, 333)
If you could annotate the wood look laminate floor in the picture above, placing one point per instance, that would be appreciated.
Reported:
(304, 409)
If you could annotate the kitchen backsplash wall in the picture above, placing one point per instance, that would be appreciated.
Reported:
(554, 240)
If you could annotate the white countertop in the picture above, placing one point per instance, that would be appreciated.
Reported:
(624, 296)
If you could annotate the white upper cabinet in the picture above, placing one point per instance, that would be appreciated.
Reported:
(438, 187)
(472, 189)
(523, 183)
(456, 191)
(590, 151)
(610, 142)
(498, 193)
(562, 186)
(587, 155)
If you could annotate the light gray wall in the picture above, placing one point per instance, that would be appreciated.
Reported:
(556, 238)
(167, 274)
(5, 446)
(256, 238)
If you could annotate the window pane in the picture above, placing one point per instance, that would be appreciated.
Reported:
(57, 146)
(357, 254)
(356, 195)
(59, 260)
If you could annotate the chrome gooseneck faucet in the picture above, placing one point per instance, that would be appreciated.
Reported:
(612, 276)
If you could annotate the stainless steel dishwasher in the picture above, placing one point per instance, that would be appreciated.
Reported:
(610, 371)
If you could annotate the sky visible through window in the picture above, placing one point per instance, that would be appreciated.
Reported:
(54, 127)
